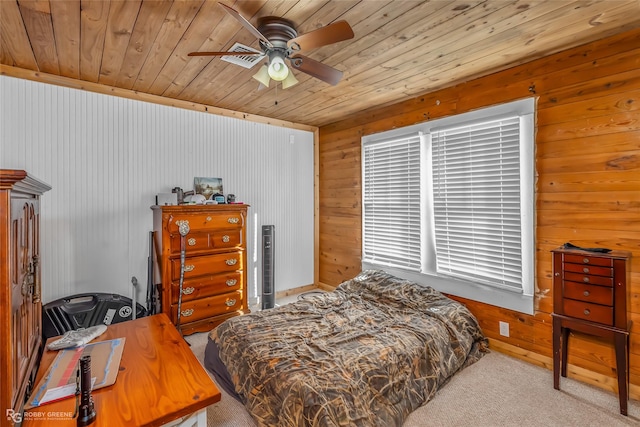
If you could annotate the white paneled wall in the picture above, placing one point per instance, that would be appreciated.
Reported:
(106, 159)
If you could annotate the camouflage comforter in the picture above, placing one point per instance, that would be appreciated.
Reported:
(367, 354)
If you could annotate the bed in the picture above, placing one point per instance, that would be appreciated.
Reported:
(367, 354)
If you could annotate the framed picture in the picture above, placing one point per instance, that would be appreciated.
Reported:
(207, 186)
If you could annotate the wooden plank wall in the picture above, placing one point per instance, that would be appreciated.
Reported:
(587, 191)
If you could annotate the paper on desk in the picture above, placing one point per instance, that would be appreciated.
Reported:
(62, 392)
(59, 382)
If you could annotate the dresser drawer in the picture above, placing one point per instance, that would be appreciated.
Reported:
(203, 241)
(589, 269)
(206, 221)
(205, 286)
(207, 307)
(587, 311)
(588, 259)
(196, 266)
(588, 278)
(589, 293)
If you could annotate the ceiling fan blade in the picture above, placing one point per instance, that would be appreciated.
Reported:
(225, 54)
(316, 69)
(332, 33)
(246, 24)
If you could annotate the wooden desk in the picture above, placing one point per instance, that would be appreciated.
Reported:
(160, 380)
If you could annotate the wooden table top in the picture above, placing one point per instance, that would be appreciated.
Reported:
(160, 380)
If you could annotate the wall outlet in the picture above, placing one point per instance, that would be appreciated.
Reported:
(504, 329)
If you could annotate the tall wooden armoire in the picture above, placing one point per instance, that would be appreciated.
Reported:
(20, 305)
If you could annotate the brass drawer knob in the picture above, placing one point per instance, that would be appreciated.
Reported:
(231, 282)
(585, 270)
(585, 279)
(586, 312)
(226, 238)
(188, 291)
(191, 241)
(189, 267)
(230, 302)
(233, 220)
(232, 261)
(188, 312)
(208, 218)
(585, 260)
(586, 293)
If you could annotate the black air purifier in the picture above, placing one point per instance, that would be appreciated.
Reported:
(268, 285)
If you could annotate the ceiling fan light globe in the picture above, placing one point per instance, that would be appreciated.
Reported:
(289, 81)
(263, 76)
(278, 70)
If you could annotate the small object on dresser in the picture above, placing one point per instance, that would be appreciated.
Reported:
(598, 250)
(77, 337)
(166, 199)
(179, 194)
(198, 199)
(231, 198)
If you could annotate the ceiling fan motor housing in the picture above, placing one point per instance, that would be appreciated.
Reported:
(278, 31)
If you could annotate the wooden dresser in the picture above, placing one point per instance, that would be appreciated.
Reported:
(215, 278)
(590, 296)
(20, 305)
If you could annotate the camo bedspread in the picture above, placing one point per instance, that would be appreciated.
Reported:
(367, 354)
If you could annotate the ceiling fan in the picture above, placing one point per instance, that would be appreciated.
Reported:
(279, 41)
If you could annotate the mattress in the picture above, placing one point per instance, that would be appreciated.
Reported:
(367, 354)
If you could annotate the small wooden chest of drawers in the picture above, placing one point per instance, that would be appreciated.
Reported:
(214, 273)
(590, 296)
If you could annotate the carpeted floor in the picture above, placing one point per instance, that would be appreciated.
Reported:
(496, 391)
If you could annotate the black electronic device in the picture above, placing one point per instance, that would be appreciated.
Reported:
(219, 197)
(268, 285)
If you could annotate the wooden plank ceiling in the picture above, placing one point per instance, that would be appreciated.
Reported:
(401, 49)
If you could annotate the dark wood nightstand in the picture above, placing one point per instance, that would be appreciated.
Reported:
(590, 296)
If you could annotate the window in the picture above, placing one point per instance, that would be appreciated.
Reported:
(450, 203)
(392, 202)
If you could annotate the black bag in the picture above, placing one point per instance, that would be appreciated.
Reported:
(85, 310)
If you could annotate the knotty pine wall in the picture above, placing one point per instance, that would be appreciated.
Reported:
(587, 191)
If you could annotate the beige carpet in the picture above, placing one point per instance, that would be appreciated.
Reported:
(496, 391)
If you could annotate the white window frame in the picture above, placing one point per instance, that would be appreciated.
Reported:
(521, 301)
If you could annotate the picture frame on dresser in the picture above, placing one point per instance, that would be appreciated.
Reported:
(207, 186)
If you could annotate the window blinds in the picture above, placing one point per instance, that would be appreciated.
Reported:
(391, 198)
(476, 180)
